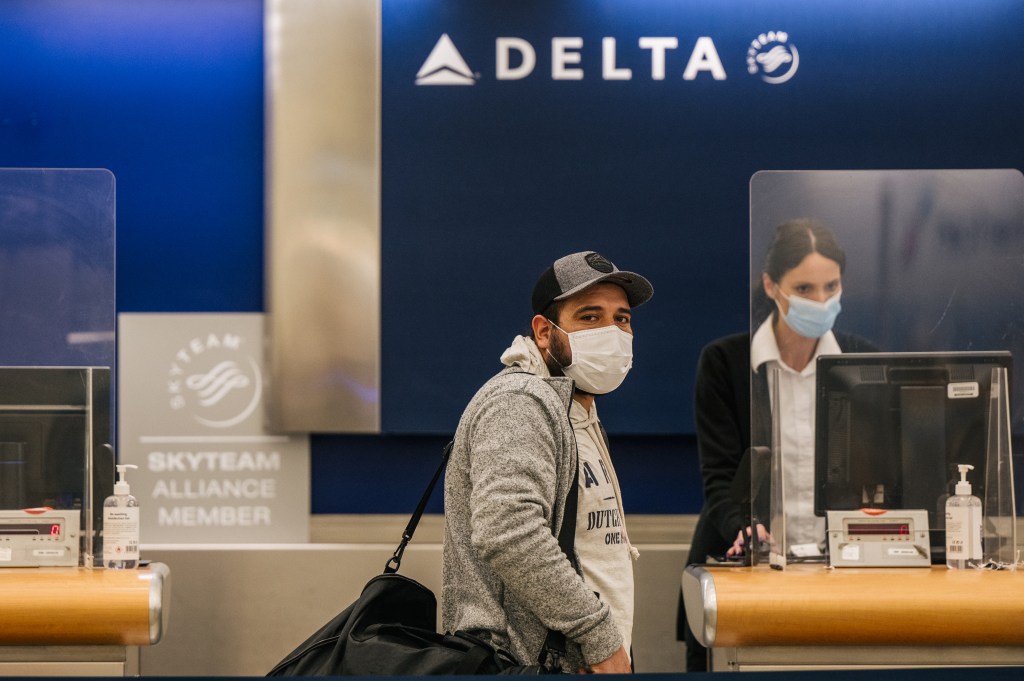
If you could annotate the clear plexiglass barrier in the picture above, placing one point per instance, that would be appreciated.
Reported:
(57, 348)
(915, 295)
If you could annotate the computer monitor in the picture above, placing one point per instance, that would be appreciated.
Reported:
(890, 429)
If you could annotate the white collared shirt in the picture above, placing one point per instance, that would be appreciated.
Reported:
(796, 419)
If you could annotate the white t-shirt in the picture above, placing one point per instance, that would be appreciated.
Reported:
(796, 418)
(601, 542)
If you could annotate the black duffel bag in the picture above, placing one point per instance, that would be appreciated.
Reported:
(391, 630)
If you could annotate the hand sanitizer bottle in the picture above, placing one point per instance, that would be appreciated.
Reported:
(963, 525)
(121, 525)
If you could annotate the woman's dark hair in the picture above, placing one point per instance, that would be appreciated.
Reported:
(794, 241)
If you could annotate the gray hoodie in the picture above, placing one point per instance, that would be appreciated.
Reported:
(505, 488)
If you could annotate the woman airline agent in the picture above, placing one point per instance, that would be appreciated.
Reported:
(793, 313)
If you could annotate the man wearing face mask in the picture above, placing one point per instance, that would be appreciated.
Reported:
(528, 437)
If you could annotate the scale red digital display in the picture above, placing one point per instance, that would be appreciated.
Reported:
(874, 529)
(39, 529)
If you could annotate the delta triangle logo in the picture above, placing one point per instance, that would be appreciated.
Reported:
(445, 66)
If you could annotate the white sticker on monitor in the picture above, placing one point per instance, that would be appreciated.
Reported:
(851, 552)
(6, 555)
(960, 391)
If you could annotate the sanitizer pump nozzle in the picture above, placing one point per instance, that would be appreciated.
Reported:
(121, 486)
(121, 524)
(964, 486)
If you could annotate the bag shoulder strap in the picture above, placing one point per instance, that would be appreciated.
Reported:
(395, 561)
(566, 536)
(555, 642)
(567, 533)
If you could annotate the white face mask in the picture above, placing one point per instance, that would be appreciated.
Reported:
(601, 358)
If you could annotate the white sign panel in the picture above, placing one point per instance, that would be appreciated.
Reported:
(192, 420)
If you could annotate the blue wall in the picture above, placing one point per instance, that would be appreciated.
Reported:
(168, 95)
(483, 185)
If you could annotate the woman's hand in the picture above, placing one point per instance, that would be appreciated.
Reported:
(738, 547)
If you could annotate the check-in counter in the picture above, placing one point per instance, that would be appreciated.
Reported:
(78, 621)
(812, 616)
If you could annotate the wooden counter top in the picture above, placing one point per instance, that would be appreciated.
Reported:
(78, 606)
(815, 605)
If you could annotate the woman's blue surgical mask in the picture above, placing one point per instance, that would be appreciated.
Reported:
(810, 318)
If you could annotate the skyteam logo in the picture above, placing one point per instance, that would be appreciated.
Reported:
(445, 66)
(773, 56)
(215, 380)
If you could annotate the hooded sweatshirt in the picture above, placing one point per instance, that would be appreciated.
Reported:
(511, 468)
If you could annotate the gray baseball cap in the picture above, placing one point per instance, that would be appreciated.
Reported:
(573, 273)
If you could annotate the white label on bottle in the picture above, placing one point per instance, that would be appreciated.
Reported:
(120, 533)
(963, 532)
(959, 391)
